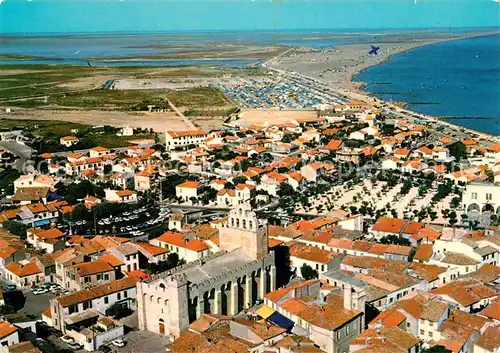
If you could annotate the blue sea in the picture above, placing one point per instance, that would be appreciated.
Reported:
(458, 79)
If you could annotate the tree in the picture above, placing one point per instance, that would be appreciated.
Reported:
(387, 129)
(16, 228)
(436, 349)
(452, 218)
(422, 191)
(108, 169)
(49, 347)
(455, 202)
(7, 309)
(394, 239)
(239, 180)
(104, 349)
(117, 311)
(458, 150)
(286, 190)
(308, 272)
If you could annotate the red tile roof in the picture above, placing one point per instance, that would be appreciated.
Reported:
(465, 293)
(6, 329)
(23, 270)
(389, 318)
(181, 241)
(189, 185)
(389, 225)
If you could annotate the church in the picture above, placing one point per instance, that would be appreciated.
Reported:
(223, 283)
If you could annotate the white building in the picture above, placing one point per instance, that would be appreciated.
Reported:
(188, 189)
(120, 196)
(98, 151)
(8, 334)
(187, 249)
(68, 310)
(126, 131)
(481, 198)
(68, 141)
(175, 139)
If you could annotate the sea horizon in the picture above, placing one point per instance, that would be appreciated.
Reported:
(304, 30)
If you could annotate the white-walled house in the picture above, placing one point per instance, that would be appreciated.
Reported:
(188, 189)
(120, 196)
(24, 274)
(481, 197)
(179, 139)
(187, 249)
(93, 301)
(8, 334)
(69, 141)
(98, 151)
(318, 259)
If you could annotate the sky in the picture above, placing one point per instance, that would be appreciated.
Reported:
(68, 16)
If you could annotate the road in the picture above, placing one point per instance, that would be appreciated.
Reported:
(179, 113)
(22, 151)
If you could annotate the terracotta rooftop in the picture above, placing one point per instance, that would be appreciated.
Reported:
(30, 193)
(454, 258)
(92, 268)
(275, 296)
(328, 317)
(394, 335)
(312, 253)
(152, 249)
(433, 310)
(466, 319)
(98, 291)
(389, 225)
(189, 185)
(23, 270)
(293, 306)
(180, 240)
(389, 318)
(492, 311)
(262, 329)
(465, 293)
(490, 339)
(424, 252)
(6, 329)
(412, 306)
(23, 347)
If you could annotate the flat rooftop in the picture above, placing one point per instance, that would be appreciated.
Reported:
(217, 266)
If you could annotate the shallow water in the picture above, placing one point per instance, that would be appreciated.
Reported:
(458, 79)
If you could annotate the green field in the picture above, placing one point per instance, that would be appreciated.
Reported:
(51, 131)
(41, 127)
(199, 97)
(40, 85)
(110, 99)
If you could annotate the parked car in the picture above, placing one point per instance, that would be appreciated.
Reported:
(75, 346)
(118, 343)
(67, 339)
(40, 291)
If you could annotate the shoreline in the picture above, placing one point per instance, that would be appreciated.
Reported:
(343, 81)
